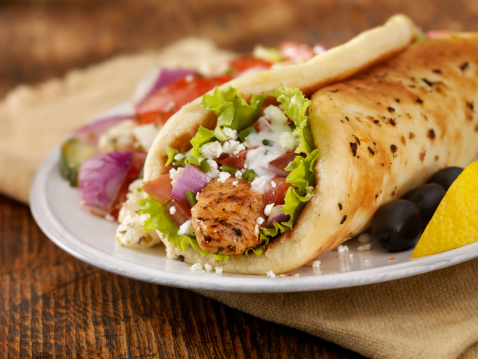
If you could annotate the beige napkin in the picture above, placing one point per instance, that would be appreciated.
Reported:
(433, 315)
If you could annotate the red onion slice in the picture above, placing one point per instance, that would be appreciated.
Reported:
(154, 80)
(100, 179)
(276, 215)
(91, 132)
(191, 179)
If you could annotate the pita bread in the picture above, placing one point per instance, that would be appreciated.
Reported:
(307, 240)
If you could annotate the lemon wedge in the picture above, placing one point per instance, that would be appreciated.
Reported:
(455, 222)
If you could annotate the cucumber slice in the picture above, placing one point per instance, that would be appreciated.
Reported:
(73, 153)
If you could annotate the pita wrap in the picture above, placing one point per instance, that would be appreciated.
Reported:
(357, 166)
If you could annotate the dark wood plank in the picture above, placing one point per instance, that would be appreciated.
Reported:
(53, 305)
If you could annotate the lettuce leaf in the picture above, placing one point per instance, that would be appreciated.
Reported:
(295, 106)
(294, 102)
(232, 111)
(171, 152)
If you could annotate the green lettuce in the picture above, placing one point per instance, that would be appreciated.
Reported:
(235, 113)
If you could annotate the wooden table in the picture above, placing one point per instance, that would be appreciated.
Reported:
(53, 305)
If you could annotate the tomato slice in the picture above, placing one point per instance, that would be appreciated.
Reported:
(279, 164)
(244, 63)
(276, 194)
(182, 212)
(159, 188)
(236, 161)
(295, 51)
(165, 102)
(132, 174)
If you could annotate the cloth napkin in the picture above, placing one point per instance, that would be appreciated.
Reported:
(433, 315)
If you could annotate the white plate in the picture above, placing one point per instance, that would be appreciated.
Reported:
(56, 208)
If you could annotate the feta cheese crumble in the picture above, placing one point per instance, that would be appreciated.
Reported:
(208, 267)
(271, 274)
(174, 174)
(172, 210)
(211, 150)
(213, 169)
(196, 267)
(232, 134)
(268, 209)
(223, 176)
(185, 228)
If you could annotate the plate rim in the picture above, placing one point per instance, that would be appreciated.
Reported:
(55, 231)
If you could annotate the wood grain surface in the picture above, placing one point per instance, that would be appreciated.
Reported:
(53, 305)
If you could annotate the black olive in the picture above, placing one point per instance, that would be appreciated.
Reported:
(427, 198)
(397, 225)
(446, 176)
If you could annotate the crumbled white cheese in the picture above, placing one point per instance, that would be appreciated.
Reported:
(316, 264)
(233, 147)
(271, 274)
(364, 247)
(268, 209)
(223, 176)
(218, 270)
(232, 134)
(208, 267)
(364, 238)
(288, 141)
(256, 230)
(174, 174)
(342, 249)
(213, 169)
(238, 174)
(260, 220)
(145, 134)
(185, 228)
(172, 210)
(196, 267)
(235, 183)
(261, 184)
(211, 150)
(178, 157)
(273, 184)
(130, 231)
(274, 114)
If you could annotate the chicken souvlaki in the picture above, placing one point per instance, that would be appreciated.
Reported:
(242, 183)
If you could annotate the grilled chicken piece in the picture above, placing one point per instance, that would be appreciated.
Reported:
(225, 217)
